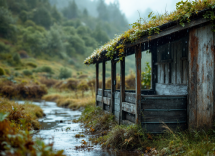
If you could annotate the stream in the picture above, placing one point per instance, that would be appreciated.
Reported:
(57, 127)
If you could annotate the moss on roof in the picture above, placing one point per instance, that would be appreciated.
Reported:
(183, 13)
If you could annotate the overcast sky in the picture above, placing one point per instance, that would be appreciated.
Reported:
(131, 7)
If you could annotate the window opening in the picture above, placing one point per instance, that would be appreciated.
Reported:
(130, 72)
(146, 71)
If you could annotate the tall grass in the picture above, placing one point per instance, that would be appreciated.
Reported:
(15, 136)
(69, 98)
(28, 112)
(133, 137)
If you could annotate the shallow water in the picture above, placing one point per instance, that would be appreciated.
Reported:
(57, 127)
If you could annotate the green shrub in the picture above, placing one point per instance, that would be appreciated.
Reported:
(146, 77)
(29, 23)
(31, 64)
(16, 74)
(2, 72)
(16, 58)
(65, 73)
(7, 71)
(5, 56)
(4, 47)
(27, 72)
(71, 61)
(18, 68)
(46, 69)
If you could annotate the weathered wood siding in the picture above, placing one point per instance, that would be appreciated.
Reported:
(171, 89)
(130, 97)
(201, 77)
(172, 66)
(158, 111)
(116, 109)
(100, 92)
(107, 93)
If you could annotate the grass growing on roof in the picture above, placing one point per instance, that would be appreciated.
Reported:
(182, 14)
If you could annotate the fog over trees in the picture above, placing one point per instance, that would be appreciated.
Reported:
(63, 29)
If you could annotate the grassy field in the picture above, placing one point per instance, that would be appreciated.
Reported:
(70, 99)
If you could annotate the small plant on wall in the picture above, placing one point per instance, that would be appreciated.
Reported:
(146, 77)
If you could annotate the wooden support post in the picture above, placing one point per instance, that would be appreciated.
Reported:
(113, 84)
(138, 84)
(97, 81)
(103, 82)
(154, 71)
(122, 87)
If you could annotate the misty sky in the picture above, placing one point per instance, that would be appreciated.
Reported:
(131, 7)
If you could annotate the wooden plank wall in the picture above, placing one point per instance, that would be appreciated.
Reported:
(116, 109)
(169, 109)
(172, 65)
(201, 77)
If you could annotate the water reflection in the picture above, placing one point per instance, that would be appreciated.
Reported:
(57, 127)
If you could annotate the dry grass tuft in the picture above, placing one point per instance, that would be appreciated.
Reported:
(29, 112)
(70, 102)
(24, 90)
(48, 82)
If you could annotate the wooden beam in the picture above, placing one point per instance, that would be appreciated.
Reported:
(154, 67)
(97, 81)
(169, 31)
(129, 107)
(138, 84)
(103, 81)
(107, 101)
(113, 84)
(99, 98)
(122, 87)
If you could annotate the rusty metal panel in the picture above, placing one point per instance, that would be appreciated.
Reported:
(201, 77)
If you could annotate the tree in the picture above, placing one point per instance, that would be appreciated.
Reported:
(77, 43)
(100, 35)
(7, 21)
(102, 11)
(65, 73)
(56, 14)
(85, 12)
(42, 16)
(55, 41)
(71, 11)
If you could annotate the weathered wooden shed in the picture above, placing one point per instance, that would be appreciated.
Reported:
(183, 79)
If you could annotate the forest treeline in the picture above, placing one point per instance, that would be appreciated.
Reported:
(56, 29)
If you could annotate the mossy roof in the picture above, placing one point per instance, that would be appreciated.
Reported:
(183, 14)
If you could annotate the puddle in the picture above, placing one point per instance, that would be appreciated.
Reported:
(57, 127)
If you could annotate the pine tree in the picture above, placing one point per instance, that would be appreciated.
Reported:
(102, 11)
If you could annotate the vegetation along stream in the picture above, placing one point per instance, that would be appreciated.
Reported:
(57, 127)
